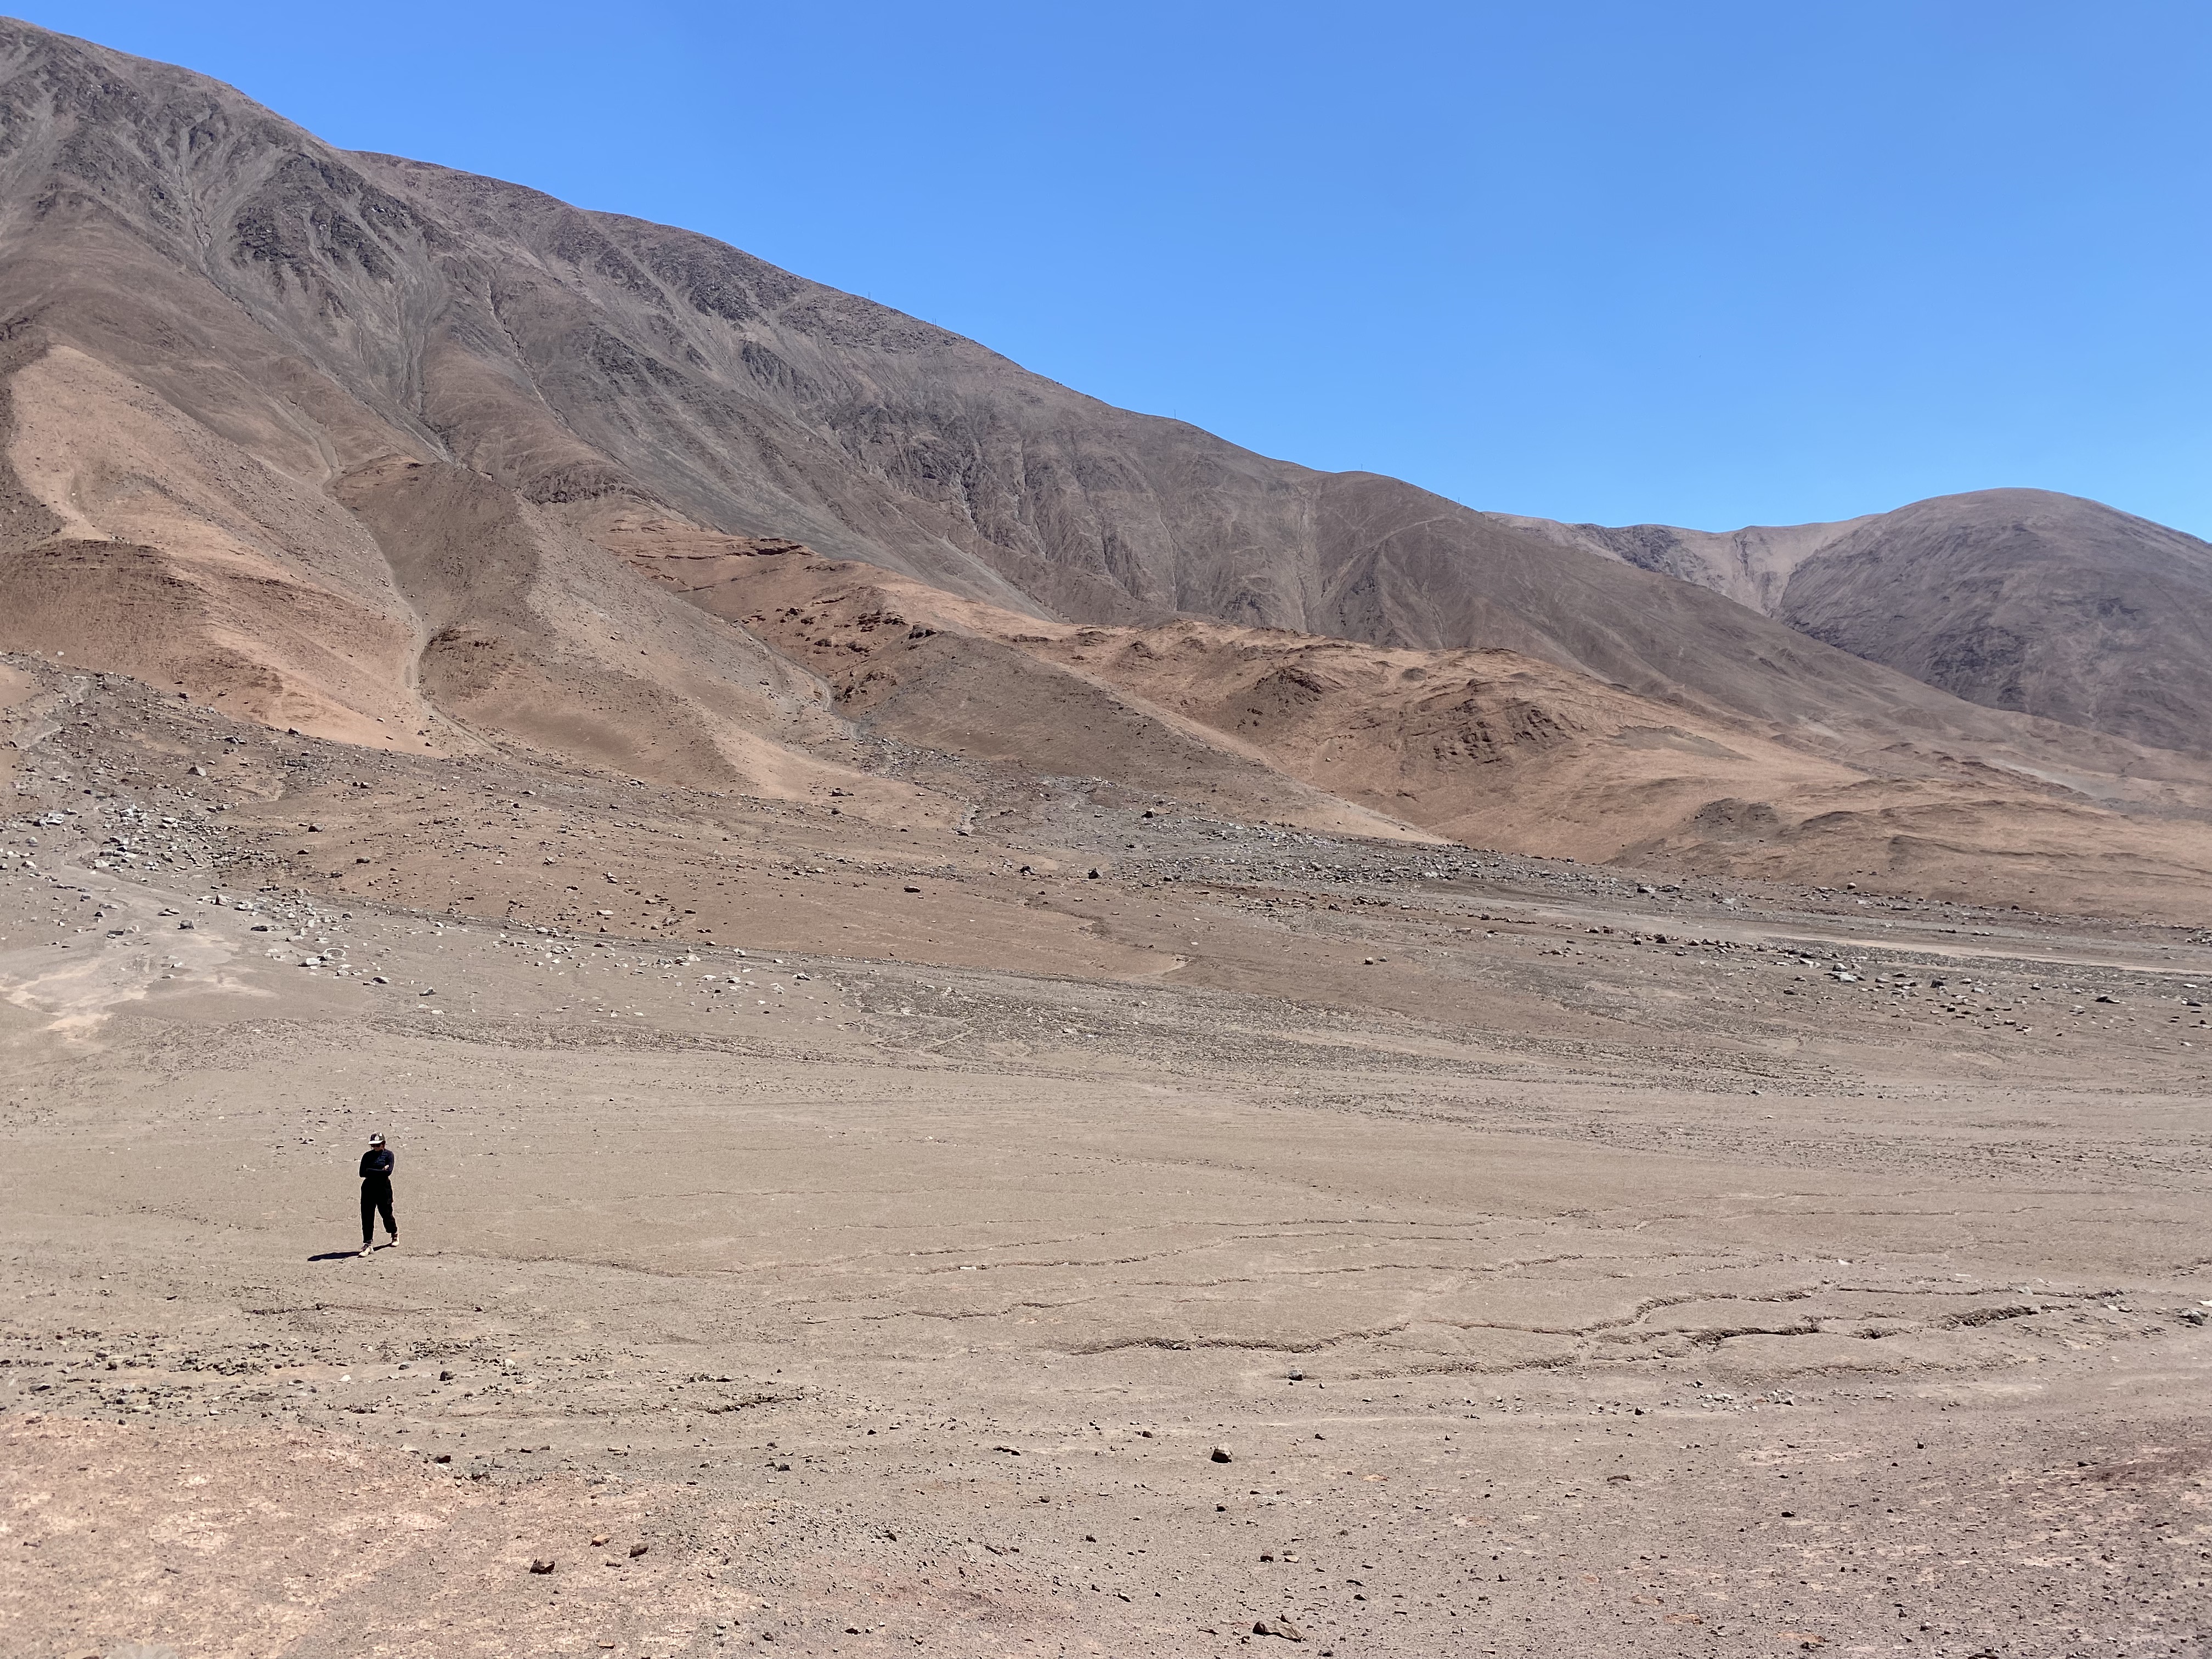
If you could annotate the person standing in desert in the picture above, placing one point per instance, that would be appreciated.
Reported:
(376, 1192)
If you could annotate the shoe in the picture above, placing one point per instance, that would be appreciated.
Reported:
(392, 1243)
(366, 1248)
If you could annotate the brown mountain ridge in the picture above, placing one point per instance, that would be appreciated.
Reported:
(421, 461)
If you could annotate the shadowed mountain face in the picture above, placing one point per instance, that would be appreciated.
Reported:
(2013, 598)
(2023, 599)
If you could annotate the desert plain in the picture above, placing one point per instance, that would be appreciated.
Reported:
(869, 1234)
(1009, 1028)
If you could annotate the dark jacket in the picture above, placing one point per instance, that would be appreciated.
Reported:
(376, 1164)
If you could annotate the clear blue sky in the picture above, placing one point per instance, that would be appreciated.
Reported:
(1705, 264)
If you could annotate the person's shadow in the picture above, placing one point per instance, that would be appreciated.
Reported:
(335, 1255)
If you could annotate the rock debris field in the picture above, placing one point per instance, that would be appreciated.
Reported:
(1079, 1226)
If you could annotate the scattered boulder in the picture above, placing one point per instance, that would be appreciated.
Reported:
(540, 1564)
(1222, 1454)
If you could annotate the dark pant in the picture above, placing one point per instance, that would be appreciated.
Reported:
(376, 1199)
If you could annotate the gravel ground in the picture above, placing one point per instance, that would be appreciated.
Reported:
(1580, 1261)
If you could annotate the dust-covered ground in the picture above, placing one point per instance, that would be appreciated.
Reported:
(1362, 1249)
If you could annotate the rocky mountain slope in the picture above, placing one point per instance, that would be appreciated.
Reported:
(1484, 748)
(1752, 566)
(425, 461)
(2021, 600)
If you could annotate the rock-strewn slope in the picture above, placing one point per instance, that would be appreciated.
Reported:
(1485, 748)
